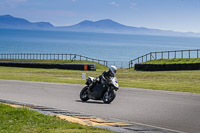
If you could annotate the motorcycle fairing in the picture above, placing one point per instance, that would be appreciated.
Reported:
(98, 91)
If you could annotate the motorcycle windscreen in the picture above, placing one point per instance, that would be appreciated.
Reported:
(98, 91)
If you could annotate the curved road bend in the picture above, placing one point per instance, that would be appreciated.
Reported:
(171, 110)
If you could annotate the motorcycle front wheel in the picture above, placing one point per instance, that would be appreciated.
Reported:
(109, 96)
(84, 96)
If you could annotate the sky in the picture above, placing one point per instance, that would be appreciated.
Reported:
(176, 15)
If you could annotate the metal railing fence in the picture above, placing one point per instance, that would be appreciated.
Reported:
(50, 56)
(195, 53)
(166, 55)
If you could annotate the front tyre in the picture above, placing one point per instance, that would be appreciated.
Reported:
(109, 96)
(84, 96)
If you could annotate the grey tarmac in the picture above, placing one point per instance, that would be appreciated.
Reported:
(174, 111)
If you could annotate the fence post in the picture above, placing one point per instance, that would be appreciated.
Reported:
(146, 57)
(168, 54)
(189, 54)
(162, 55)
(150, 55)
(197, 53)
(131, 63)
(175, 54)
(181, 53)
(142, 59)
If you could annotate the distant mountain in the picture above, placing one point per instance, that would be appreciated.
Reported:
(7, 21)
(102, 26)
(109, 26)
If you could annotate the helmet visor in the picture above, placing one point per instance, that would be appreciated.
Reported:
(115, 71)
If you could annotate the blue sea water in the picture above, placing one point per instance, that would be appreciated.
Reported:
(111, 47)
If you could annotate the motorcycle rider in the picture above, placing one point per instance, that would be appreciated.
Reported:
(106, 75)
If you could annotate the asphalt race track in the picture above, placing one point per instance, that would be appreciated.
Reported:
(171, 110)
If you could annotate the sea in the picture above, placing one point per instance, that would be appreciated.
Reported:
(104, 46)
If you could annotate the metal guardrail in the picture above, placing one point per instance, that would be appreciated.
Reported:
(195, 53)
(50, 56)
(55, 56)
(166, 55)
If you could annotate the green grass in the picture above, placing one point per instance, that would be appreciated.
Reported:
(23, 120)
(183, 81)
(173, 61)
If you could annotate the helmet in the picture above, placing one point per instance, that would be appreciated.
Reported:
(113, 69)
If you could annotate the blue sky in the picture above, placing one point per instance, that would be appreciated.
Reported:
(177, 15)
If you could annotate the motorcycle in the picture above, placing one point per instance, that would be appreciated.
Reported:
(102, 90)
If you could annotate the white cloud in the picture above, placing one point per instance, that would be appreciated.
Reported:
(133, 5)
(114, 3)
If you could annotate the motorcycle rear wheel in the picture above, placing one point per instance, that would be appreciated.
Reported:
(84, 96)
(109, 97)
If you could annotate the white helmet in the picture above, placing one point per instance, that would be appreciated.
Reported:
(113, 69)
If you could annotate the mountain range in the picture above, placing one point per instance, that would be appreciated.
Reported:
(101, 26)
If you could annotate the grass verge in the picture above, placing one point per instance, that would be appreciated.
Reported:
(23, 120)
(183, 81)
